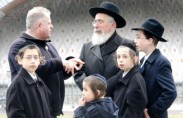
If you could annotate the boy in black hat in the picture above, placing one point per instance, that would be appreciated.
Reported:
(98, 54)
(156, 69)
(93, 104)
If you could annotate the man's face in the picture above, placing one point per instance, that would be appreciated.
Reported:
(104, 27)
(102, 24)
(46, 27)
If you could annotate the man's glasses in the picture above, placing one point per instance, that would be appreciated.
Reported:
(32, 57)
(100, 22)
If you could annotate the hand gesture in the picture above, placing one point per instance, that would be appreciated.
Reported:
(82, 101)
(72, 64)
(146, 115)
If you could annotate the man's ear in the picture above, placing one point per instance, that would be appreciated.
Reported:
(38, 24)
(114, 25)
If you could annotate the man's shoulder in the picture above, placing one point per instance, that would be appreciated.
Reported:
(18, 43)
(87, 45)
(159, 56)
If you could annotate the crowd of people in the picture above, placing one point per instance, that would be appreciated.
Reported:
(113, 82)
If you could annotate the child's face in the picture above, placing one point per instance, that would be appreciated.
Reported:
(124, 60)
(141, 42)
(87, 93)
(30, 60)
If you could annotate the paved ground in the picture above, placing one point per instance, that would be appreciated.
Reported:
(72, 96)
(175, 109)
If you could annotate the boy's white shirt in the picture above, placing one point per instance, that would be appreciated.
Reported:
(34, 76)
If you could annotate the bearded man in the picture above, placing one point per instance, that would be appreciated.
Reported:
(98, 54)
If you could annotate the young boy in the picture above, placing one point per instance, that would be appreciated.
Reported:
(156, 69)
(93, 104)
(28, 96)
(130, 91)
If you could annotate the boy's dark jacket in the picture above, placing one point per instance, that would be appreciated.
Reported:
(55, 82)
(28, 99)
(101, 108)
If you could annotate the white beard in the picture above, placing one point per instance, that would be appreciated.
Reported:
(98, 39)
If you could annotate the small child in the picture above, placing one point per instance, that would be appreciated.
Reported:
(130, 91)
(93, 104)
(28, 96)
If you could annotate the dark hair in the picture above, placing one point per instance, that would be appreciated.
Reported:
(21, 52)
(96, 84)
(149, 35)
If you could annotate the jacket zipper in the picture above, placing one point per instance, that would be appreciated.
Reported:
(46, 47)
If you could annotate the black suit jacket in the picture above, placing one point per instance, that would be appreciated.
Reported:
(102, 64)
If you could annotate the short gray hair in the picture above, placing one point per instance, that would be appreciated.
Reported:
(35, 14)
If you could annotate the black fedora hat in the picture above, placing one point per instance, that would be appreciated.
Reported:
(112, 10)
(154, 27)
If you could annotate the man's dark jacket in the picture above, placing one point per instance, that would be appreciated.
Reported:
(100, 59)
(55, 81)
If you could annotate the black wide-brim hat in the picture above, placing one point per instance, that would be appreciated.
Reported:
(154, 27)
(112, 10)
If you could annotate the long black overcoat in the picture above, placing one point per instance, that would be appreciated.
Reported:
(28, 99)
(100, 62)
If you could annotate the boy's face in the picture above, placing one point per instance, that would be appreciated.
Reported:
(30, 60)
(141, 42)
(124, 60)
(87, 93)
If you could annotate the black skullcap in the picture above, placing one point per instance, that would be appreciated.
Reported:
(129, 45)
(101, 78)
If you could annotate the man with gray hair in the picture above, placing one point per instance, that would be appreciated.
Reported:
(38, 32)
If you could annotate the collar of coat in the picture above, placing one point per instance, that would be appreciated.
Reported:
(28, 79)
(150, 59)
(129, 75)
(153, 56)
(28, 37)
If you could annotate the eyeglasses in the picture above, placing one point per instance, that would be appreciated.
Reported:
(100, 22)
(32, 57)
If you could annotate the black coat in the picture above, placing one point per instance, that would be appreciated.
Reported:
(101, 108)
(161, 90)
(100, 62)
(130, 95)
(28, 99)
(54, 81)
